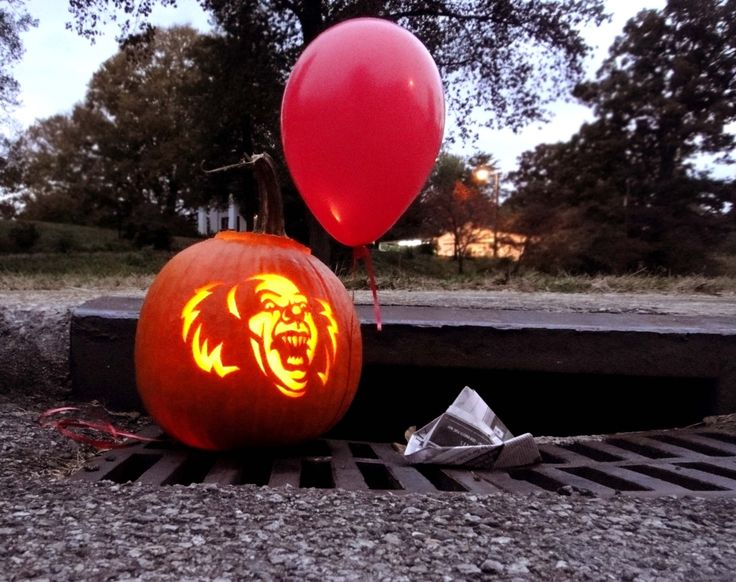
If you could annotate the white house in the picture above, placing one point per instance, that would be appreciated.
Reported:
(211, 219)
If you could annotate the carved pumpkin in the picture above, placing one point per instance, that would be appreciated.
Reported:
(247, 339)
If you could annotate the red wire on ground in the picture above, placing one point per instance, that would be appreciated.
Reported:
(362, 253)
(119, 438)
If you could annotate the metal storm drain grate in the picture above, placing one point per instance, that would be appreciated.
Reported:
(685, 462)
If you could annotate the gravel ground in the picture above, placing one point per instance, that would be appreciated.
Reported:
(55, 529)
(119, 532)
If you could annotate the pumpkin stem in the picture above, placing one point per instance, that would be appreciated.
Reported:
(271, 212)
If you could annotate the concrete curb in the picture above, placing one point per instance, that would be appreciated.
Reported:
(541, 368)
(35, 325)
(34, 349)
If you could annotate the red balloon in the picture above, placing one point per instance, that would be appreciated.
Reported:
(361, 123)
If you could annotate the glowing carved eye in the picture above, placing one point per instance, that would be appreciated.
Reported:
(269, 306)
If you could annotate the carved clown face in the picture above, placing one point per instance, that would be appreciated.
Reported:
(284, 333)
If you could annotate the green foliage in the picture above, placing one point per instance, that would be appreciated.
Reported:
(621, 194)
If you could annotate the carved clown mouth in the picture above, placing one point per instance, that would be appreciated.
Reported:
(293, 347)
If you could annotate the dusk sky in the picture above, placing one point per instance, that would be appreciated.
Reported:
(58, 64)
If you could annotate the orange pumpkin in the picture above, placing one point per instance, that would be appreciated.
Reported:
(247, 339)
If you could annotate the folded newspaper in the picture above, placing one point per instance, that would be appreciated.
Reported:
(471, 435)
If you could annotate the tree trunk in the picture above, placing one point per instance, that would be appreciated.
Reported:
(310, 19)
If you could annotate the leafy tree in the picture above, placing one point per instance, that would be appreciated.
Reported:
(52, 173)
(7, 177)
(670, 83)
(570, 201)
(236, 105)
(504, 58)
(143, 134)
(155, 115)
(131, 145)
(13, 21)
(508, 57)
(453, 201)
(623, 194)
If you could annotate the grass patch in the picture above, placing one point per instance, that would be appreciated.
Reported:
(99, 259)
(82, 269)
(70, 238)
(63, 238)
(426, 272)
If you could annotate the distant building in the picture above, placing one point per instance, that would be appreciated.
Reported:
(510, 245)
(211, 220)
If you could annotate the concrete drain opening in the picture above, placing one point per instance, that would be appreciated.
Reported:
(678, 462)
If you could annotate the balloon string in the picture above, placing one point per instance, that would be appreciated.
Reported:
(64, 426)
(363, 253)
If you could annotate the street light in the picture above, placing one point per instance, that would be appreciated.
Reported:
(482, 175)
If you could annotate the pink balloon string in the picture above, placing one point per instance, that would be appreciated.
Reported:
(362, 253)
(119, 438)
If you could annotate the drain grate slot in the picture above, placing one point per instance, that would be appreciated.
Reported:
(316, 448)
(720, 436)
(378, 476)
(362, 451)
(690, 445)
(162, 444)
(192, 470)
(591, 453)
(132, 468)
(437, 477)
(639, 448)
(549, 458)
(712, 469)
(641, 464)
(605, 479)
(676, 479)
(316, 474)
(255, 471)
(536, 478)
